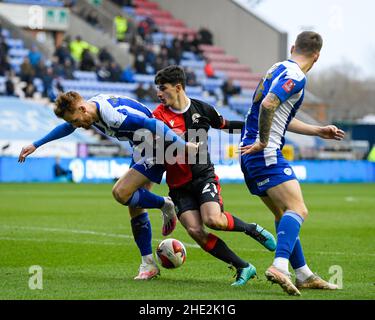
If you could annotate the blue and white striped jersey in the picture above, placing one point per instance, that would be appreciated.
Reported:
(287, 81)
(119, 117)
(117, 113)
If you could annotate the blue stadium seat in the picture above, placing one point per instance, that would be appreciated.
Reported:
(14, 43)
(189, 56)
(49, 3)
(18, 52)
(212, 83)
(208, 99)
(38, 83)
(85, 75)
(193, 90)
(194, 64)
(129, 10)
(5, 33)
(144, 78)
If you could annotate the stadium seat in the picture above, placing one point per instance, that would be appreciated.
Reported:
(47, 3)
(85, 75)
(193, 90)
(18, 52)
(145, 4)
(212, 49)
(195, 64)
(14, 43)
(212, 83)
(5, 33)
(144, 78)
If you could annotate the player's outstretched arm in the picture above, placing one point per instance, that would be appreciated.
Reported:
(232, 126)
(27, 150)
(267, 111)
(325, 132)
(59, 132)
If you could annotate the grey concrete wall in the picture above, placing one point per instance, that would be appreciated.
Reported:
(240, 33)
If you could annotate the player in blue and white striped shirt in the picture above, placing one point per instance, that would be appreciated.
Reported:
(267, 174)
(121, 117)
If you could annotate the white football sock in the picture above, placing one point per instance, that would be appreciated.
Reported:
(148, 259)
(281, 264)
(303, 273)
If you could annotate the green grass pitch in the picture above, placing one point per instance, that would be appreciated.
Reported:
(82, 240)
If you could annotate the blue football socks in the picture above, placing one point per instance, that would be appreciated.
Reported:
(297, 258)
(142, 233)
(145, 199)
(287, 234)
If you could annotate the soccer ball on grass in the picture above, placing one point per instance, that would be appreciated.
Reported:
(171, 253)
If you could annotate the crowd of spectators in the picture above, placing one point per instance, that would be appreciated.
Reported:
(77, 54)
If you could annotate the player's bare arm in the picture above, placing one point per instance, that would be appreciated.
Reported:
(325, 132)
(267, 111)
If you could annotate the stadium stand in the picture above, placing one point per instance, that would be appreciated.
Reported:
(25, 120)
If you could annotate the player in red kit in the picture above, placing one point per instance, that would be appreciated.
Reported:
(194, 187)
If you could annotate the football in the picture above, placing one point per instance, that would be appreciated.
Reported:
(171, 253)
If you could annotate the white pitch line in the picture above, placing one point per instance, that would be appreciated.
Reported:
(89, 232)
(124, 236)
(106, 243)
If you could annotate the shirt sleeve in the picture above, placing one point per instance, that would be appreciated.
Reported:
(134, 123)
(216, 119)
(287, 86)
(60, 131)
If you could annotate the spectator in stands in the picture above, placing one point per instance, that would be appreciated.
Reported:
(4, 65)
(191, 79)
(161, 62)
(205, 36)
(40, 69)
(104, 55)
(175, 52)
(115, 72)
(103, 72)
(186, 43)
(93, 19)
(29, 90)
(9, 86)
(209, 70)
(34, 56)
(61, 174)
(123, 3)
(229, 89)
(63, 53)
(47, 79)
(78, 45)
(70, 3)
(128, 75)
(150, 55)
(27, 72)
(152, 94)
(58, 69)
(59, 87)
(68, 69)
(146, 27)
(87, 61)
(120, 25)
(140, 62)
(194, 45)
(147, 95)
(141, 92)
(4, 48)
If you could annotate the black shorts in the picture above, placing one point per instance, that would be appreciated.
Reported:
(193, 194)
